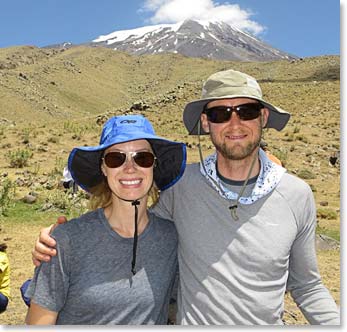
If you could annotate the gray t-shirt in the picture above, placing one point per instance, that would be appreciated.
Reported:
(236, 272)
(90, 280)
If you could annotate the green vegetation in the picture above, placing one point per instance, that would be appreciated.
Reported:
(334, 234)
(19, 158)
(324, 213)
(7, 194)
(306, 174)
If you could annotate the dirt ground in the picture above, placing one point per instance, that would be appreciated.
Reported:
(20, 239)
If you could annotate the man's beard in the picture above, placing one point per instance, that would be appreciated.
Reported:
(238, 152)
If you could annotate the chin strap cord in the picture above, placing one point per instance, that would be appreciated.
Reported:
(235, 204)
(133, 263)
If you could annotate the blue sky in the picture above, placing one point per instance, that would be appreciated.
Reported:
(300, 27)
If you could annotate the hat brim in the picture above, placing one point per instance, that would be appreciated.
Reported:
(84, 163)
(277, 119)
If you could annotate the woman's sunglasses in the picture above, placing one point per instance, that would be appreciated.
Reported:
(221, 114)
(116, 159)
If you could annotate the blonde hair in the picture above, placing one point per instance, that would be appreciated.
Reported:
(101, 195)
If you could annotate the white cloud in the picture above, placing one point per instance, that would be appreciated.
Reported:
(173, 11)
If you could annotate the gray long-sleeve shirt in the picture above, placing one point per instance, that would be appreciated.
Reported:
(237, 272)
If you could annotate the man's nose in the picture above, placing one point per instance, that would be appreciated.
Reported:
(234, 118)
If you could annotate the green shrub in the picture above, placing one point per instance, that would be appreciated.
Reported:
(19, 158)
(302, 138)
(53, 139)
(60, 163)
(290, 138)
(282, 155)
(296, 129)
(306, 174)
(67, 202)
(7, 194)
(326, 214)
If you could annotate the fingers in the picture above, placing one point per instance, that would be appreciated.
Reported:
(43, 247)
(39, 256)
(45, 238)
(61, 220)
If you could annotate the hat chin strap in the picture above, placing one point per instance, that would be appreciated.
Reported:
(134, 203)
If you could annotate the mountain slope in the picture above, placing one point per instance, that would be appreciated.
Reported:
(214, 40)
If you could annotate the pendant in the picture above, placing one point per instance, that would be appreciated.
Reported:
(233, 212)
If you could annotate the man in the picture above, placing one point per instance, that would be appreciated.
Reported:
(246, 227)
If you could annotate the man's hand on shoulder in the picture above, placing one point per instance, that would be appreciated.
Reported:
(45, 245)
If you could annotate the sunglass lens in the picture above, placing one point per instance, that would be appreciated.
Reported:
(248, 111)
(218, 114)
(115, 159)
(144, 159)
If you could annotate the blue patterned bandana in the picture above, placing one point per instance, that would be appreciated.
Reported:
(269, 176)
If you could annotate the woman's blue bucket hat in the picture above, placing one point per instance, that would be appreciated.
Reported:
(85, 162)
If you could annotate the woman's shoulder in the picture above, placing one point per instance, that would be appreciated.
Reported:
(82, 223)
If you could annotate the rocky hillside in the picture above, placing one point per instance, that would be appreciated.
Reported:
(54, 99)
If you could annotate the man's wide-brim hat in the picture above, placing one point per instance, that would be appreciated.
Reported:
(231, 84)
(85, 162)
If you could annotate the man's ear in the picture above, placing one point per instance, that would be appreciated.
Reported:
(204, 123)
(264, 117)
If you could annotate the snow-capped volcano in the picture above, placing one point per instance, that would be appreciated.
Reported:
(207, 39)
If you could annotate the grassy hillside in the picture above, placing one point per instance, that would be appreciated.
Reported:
(53, 100)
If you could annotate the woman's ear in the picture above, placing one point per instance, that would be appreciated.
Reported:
(103, 170)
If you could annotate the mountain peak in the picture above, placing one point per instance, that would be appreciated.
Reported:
(194, 38)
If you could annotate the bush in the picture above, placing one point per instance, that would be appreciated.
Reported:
(72, 204)
(306, 174)
(19, 158)
(282, 155)
(7, 194)
(296, 129)
(326, 214)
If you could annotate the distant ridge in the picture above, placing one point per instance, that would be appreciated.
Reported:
(205, 39)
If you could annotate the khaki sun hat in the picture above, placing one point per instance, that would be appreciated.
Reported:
(231, 84)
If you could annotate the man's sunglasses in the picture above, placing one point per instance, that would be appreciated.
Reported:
(221, 114)
(116, 159)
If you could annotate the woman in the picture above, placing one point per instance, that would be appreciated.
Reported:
(116, 264)
(4, 278)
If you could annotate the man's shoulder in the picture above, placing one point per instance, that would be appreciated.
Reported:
(292, 187)
(293, 181)
(192, 170)
(165, 226)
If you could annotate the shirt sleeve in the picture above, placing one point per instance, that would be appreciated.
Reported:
(304, 281)
(49, 285)
(164, 207)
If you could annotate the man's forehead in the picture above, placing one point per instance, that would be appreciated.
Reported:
(232, 101)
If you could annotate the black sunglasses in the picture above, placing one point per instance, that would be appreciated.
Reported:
(116, 159)
(220, 114)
